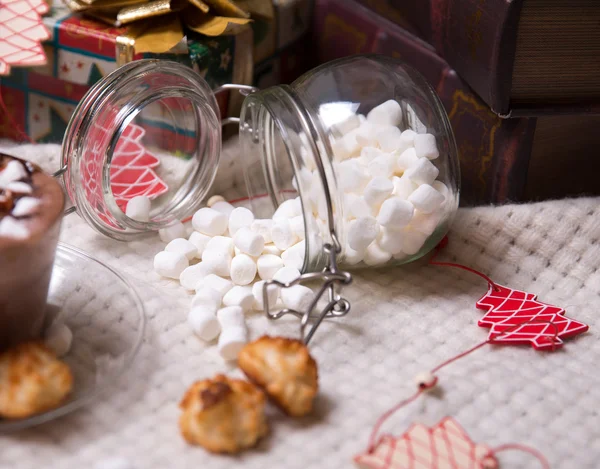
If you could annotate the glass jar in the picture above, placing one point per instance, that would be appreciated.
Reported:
(305, 140)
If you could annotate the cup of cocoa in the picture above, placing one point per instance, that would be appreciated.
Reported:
(31, 210)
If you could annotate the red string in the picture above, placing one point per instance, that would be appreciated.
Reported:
(441, 246)
(526, 449)
(12, 121)
(381, 420)
(460, 355)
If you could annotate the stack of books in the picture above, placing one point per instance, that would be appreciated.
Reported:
(520, 80)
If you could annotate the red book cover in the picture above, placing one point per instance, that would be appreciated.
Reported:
(494, 152)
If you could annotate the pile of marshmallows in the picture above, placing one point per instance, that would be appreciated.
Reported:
(392, 203)
(238, 254)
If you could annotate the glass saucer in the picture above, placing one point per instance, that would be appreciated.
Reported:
(107, 319)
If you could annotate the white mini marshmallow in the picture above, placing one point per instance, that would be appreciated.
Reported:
(209, 221)
(182, 246)
(13, 171)
(171, 232)
(231, 316)
(258, 290)
(208, 297)
(370, 153)
(391, 241)
(224, 207)
(297, 297)
(395, 213)
(294, 256)
(249, 242)
(170, 264)
(214, 199)
(220, 244)
(289, 209)
(366, 135)
(191, 275)
(426, 198)
(356, 207)
(437, 185)
(138, 208)
(19, 187)
(382, 166)
(408, 136)
(268, 265)
(403, 187)
(297, 226)
(231, 342)
(222, 285)
(59, 338)
(423, 172)
(304, 176)
(351, 176)
(413, 241)
(240, 217)
(377, 191)
(218, 261)
(282, 233)
(374, 255)
(425, 223)
(271, 249)
(26, 206)
(204, 322)
(362, 232)
(286, 274)
(352, 257)
(263, 228)
(387, 113)
(243, 269)
(200, 241)
(239, 296)
(388, 139)
(346, 147)
(406, 159)
(347, 125)
(425, 146)
(12, 228)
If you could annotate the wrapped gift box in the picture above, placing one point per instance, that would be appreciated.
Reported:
(40, 100)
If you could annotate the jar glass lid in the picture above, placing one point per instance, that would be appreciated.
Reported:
(151, 128)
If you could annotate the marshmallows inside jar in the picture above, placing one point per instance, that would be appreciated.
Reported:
(391, 201)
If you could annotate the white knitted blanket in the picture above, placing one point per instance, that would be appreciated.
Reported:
(404, 320)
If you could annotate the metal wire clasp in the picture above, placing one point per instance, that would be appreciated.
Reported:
(333, 279)
(244, 90)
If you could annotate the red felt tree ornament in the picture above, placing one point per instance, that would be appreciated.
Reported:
(517, 317)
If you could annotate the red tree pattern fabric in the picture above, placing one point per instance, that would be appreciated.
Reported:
(21, 31)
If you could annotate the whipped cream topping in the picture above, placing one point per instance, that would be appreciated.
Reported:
(16, 201)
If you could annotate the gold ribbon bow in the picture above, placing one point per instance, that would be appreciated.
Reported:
(158, 25)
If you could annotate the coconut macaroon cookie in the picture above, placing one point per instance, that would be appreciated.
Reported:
(31, 208)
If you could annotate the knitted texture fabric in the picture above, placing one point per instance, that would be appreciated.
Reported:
(403, 321)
